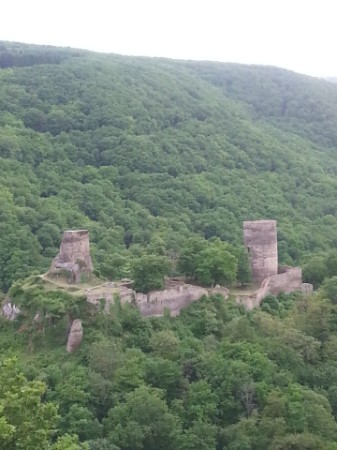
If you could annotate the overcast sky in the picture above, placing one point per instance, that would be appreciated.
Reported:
(300, 35)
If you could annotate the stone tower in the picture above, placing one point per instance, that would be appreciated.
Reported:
(260, 238)
(74, 255)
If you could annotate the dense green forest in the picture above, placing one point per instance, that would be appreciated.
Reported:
(161, 161)
(146, 153)
(214, 378)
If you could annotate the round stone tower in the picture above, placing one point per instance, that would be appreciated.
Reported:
(260, 238)
(74, 255)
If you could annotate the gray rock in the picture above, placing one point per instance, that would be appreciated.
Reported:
(75, 335)
(10, 311)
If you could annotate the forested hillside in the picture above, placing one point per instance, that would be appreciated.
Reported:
(147, 152)
(215, 378)
(162, 161)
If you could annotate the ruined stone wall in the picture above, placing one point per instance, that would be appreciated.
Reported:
(289, 280)
(74, 252)
(260, 239)
(307, 288)
(107, 292)
(154, 303)
(254, 300)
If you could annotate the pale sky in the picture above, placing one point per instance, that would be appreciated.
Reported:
(300, 35)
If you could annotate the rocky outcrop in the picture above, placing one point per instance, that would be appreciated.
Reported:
(10, 311)
(75, 336)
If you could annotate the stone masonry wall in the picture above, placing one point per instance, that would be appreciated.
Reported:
(74, 254)
(289, 280)
(173, 298)
(260, 238)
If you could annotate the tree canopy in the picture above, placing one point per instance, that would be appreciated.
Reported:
(217, 376)
(161, 161)
(142, 151)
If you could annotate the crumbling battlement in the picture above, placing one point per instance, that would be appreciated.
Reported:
(74, 255)
(289, 279)
(260, 239)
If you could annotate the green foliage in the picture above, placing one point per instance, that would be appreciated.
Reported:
(30, 423)
(209, 262)
(331, 263)
(68, 442)
(26, 422)
(244, 274)
(143, 421)
(162, 161)
(135, 150)
(148, 272)
(216, 265)
(317, 268)
(329, 289)
(216, 376)
(190, 255)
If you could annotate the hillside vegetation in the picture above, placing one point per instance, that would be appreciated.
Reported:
(215, 378)
(162, 161)
(146, 153)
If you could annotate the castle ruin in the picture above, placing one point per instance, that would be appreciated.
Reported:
(260, 238)
(74, 255)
